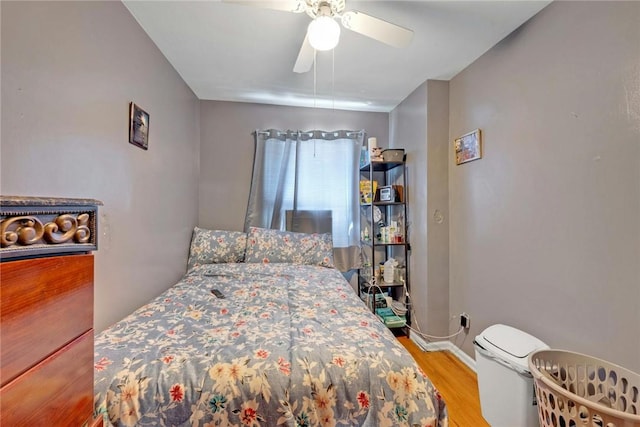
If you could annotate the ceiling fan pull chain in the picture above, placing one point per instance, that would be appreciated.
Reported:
(315, 97)
(333, 80)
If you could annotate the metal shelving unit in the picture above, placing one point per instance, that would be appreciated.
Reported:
(384, 233)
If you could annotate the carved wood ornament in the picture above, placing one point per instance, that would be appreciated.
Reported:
(33, 226)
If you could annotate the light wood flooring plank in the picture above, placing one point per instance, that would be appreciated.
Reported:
(457, 384)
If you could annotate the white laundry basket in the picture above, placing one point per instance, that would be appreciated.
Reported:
(575, 390)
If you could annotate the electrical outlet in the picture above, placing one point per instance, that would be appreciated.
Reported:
(465, 321)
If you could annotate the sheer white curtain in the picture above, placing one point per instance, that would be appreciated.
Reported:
(309, 171)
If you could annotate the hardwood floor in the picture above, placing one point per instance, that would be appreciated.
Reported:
(457, 384)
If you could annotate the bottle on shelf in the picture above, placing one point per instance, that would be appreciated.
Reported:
(400, 228)
(389, 270)
(364, 235)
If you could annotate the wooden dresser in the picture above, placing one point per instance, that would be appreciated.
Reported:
(46, 311)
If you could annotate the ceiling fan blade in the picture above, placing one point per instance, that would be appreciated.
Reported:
(296, 6)
(306, 57)
(378, 29)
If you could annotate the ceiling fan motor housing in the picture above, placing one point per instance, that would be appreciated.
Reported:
(315, 8)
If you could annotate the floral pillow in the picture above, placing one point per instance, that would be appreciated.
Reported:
(267, 246)
(216, 246)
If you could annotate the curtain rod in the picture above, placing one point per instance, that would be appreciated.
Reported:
(334, 133)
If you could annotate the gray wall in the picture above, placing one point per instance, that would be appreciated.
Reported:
(545, 229)
(420, 125)
(69, 71)
(227, 147)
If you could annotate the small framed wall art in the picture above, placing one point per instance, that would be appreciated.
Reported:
(468, 147)
(138, 126)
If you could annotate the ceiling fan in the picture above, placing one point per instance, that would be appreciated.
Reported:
(323, 32)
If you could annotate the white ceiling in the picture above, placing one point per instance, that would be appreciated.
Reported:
(232, 52)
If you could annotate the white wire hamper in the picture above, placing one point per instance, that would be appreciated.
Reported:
(575, 390)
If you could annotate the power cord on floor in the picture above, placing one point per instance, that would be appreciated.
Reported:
(434, 337)
(409, 307)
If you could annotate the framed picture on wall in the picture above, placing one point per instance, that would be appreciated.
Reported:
(138, 126)
(468, 147)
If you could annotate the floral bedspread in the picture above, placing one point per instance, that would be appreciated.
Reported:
(288, 345)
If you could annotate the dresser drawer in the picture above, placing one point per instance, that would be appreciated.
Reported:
(56, 392)
(45, 303)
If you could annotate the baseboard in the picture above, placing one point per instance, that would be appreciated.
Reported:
(444, 345)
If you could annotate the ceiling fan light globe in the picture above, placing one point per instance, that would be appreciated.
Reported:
(323, 33)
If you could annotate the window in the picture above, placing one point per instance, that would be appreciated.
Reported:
(308, 171)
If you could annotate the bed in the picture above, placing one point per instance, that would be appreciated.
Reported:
(290, 343)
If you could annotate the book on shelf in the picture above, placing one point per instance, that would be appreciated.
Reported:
(367, 191)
